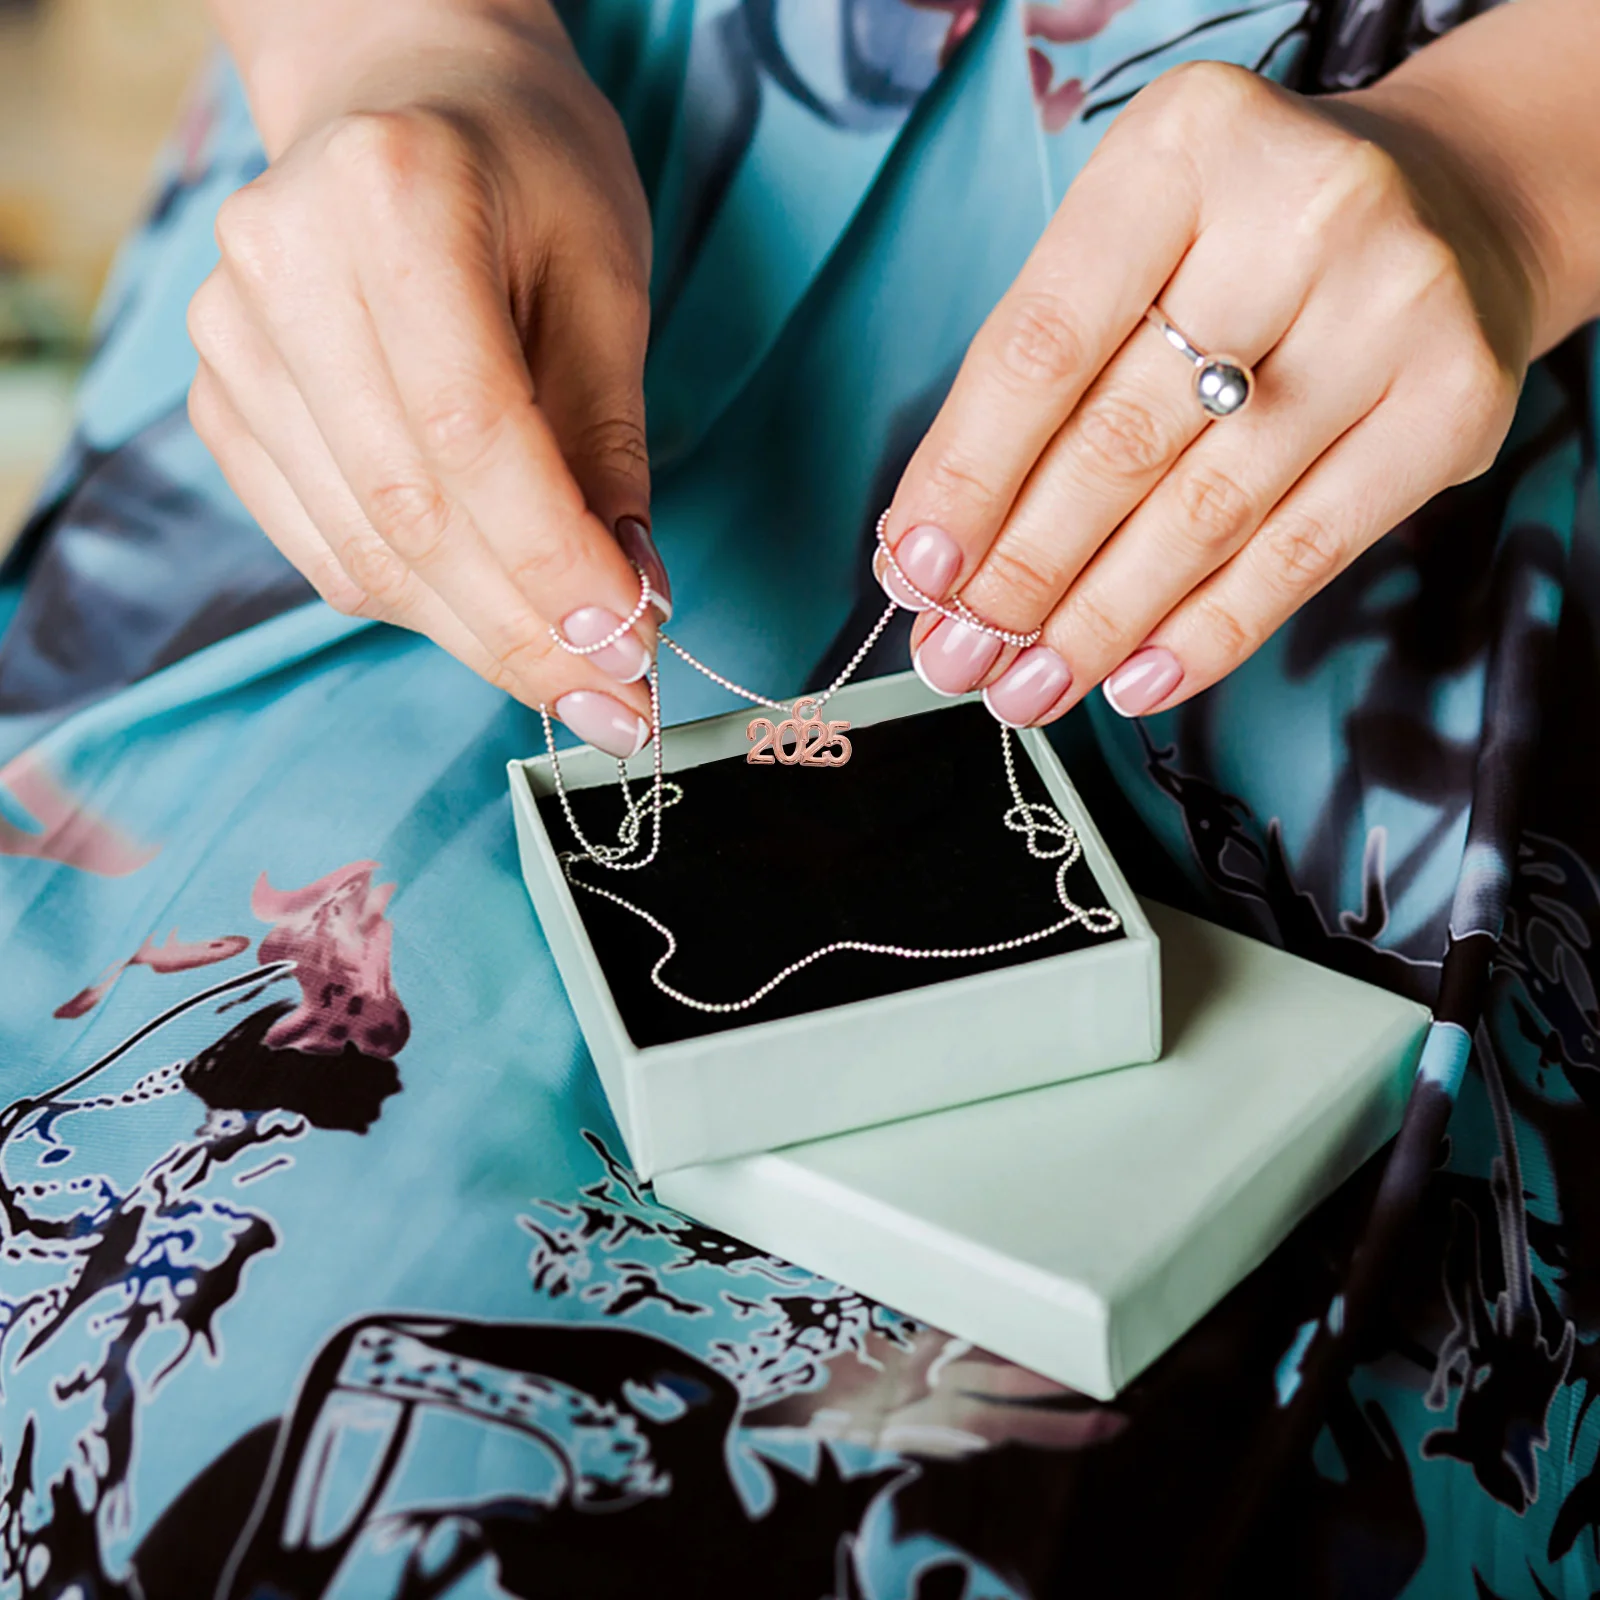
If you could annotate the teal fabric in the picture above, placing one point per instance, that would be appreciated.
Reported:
(320, 1270)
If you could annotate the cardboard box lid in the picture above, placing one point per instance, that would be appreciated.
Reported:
(1081, 1229)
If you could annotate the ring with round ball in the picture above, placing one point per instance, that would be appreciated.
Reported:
(1222, 384)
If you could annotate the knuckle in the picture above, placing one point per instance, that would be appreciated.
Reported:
(1228, 639)
(1302, 552)
(1016, 570)
(459, 429)
(617, 260)
(522, 656)
(336, 590)
(1037, 343)
(1091, 628)
(1428, 267)
(372, 577)
(1472, 384)
(1121, 436)
(379, 152)
(411, 516)
(551, 566)
(499, 676)
(1347, 189)
(614, 442)
(207, 320)
(1482, 439)
(1194, 99)
(955, 480)
(248, 236)
(1217, 507)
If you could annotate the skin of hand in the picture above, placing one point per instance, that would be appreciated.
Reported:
(1387, 260)
(421, 353)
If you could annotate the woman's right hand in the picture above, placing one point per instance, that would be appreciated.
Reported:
(421, 361)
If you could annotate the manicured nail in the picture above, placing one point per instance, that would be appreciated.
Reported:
(954, 657)
(930, 558)
(599, 720)
(625, 659)
(640, 549)
(1145, 679)
(1028, 687)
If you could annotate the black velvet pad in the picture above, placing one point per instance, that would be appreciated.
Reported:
(761, 865)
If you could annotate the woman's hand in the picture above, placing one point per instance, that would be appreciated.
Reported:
(421, 356)
(1383, 292)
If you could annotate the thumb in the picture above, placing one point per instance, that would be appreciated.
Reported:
(587, 363)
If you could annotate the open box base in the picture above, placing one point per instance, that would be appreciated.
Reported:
(856, 1039)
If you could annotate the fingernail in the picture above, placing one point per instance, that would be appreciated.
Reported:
(1028, 687)
(640, 549)
(954, 657)
(1145, 679)
(599, 720)
(930, 558)
(625, 659)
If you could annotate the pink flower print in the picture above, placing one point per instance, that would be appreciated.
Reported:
(963, 16)
(1058, 103)
(335, 932)
(67, 832)
(1069, 21)
(171, 956)
(1062, 22)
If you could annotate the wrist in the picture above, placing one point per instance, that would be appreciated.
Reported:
(1526, 176)
(299, 72)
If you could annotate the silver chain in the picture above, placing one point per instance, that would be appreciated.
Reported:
(955, 608)
(1033, 820)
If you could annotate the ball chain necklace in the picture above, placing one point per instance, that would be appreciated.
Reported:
(1047, 834)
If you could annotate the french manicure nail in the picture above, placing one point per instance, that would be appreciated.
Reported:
(599, 720)
(1144, 680)
(640, 549)
(930, 558)
(625, 659)
(954, 657)
(1028, 687)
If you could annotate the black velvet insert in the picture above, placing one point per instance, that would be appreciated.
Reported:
(761, 865)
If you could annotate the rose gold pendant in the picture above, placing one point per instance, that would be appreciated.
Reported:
(815, 743)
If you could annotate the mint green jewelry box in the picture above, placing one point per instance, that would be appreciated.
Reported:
(1080, 1230)
(848, 1066)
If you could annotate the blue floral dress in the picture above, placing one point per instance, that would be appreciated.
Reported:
(320, 1272)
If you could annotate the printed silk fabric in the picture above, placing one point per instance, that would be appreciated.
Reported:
(325, 1279)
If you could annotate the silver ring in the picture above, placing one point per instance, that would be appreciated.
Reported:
(1222, 384)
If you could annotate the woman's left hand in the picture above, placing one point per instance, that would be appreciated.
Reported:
(1072, 481)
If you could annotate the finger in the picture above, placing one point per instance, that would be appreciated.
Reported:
(587, 361)
(1120, 442)
(1096, 267)
(443, 320)
(298, 493)
(245, 382)
(1140, 414)
(321, 329)
(267, 495)
(1374, 477)
(1202, 512)
(253, 385)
